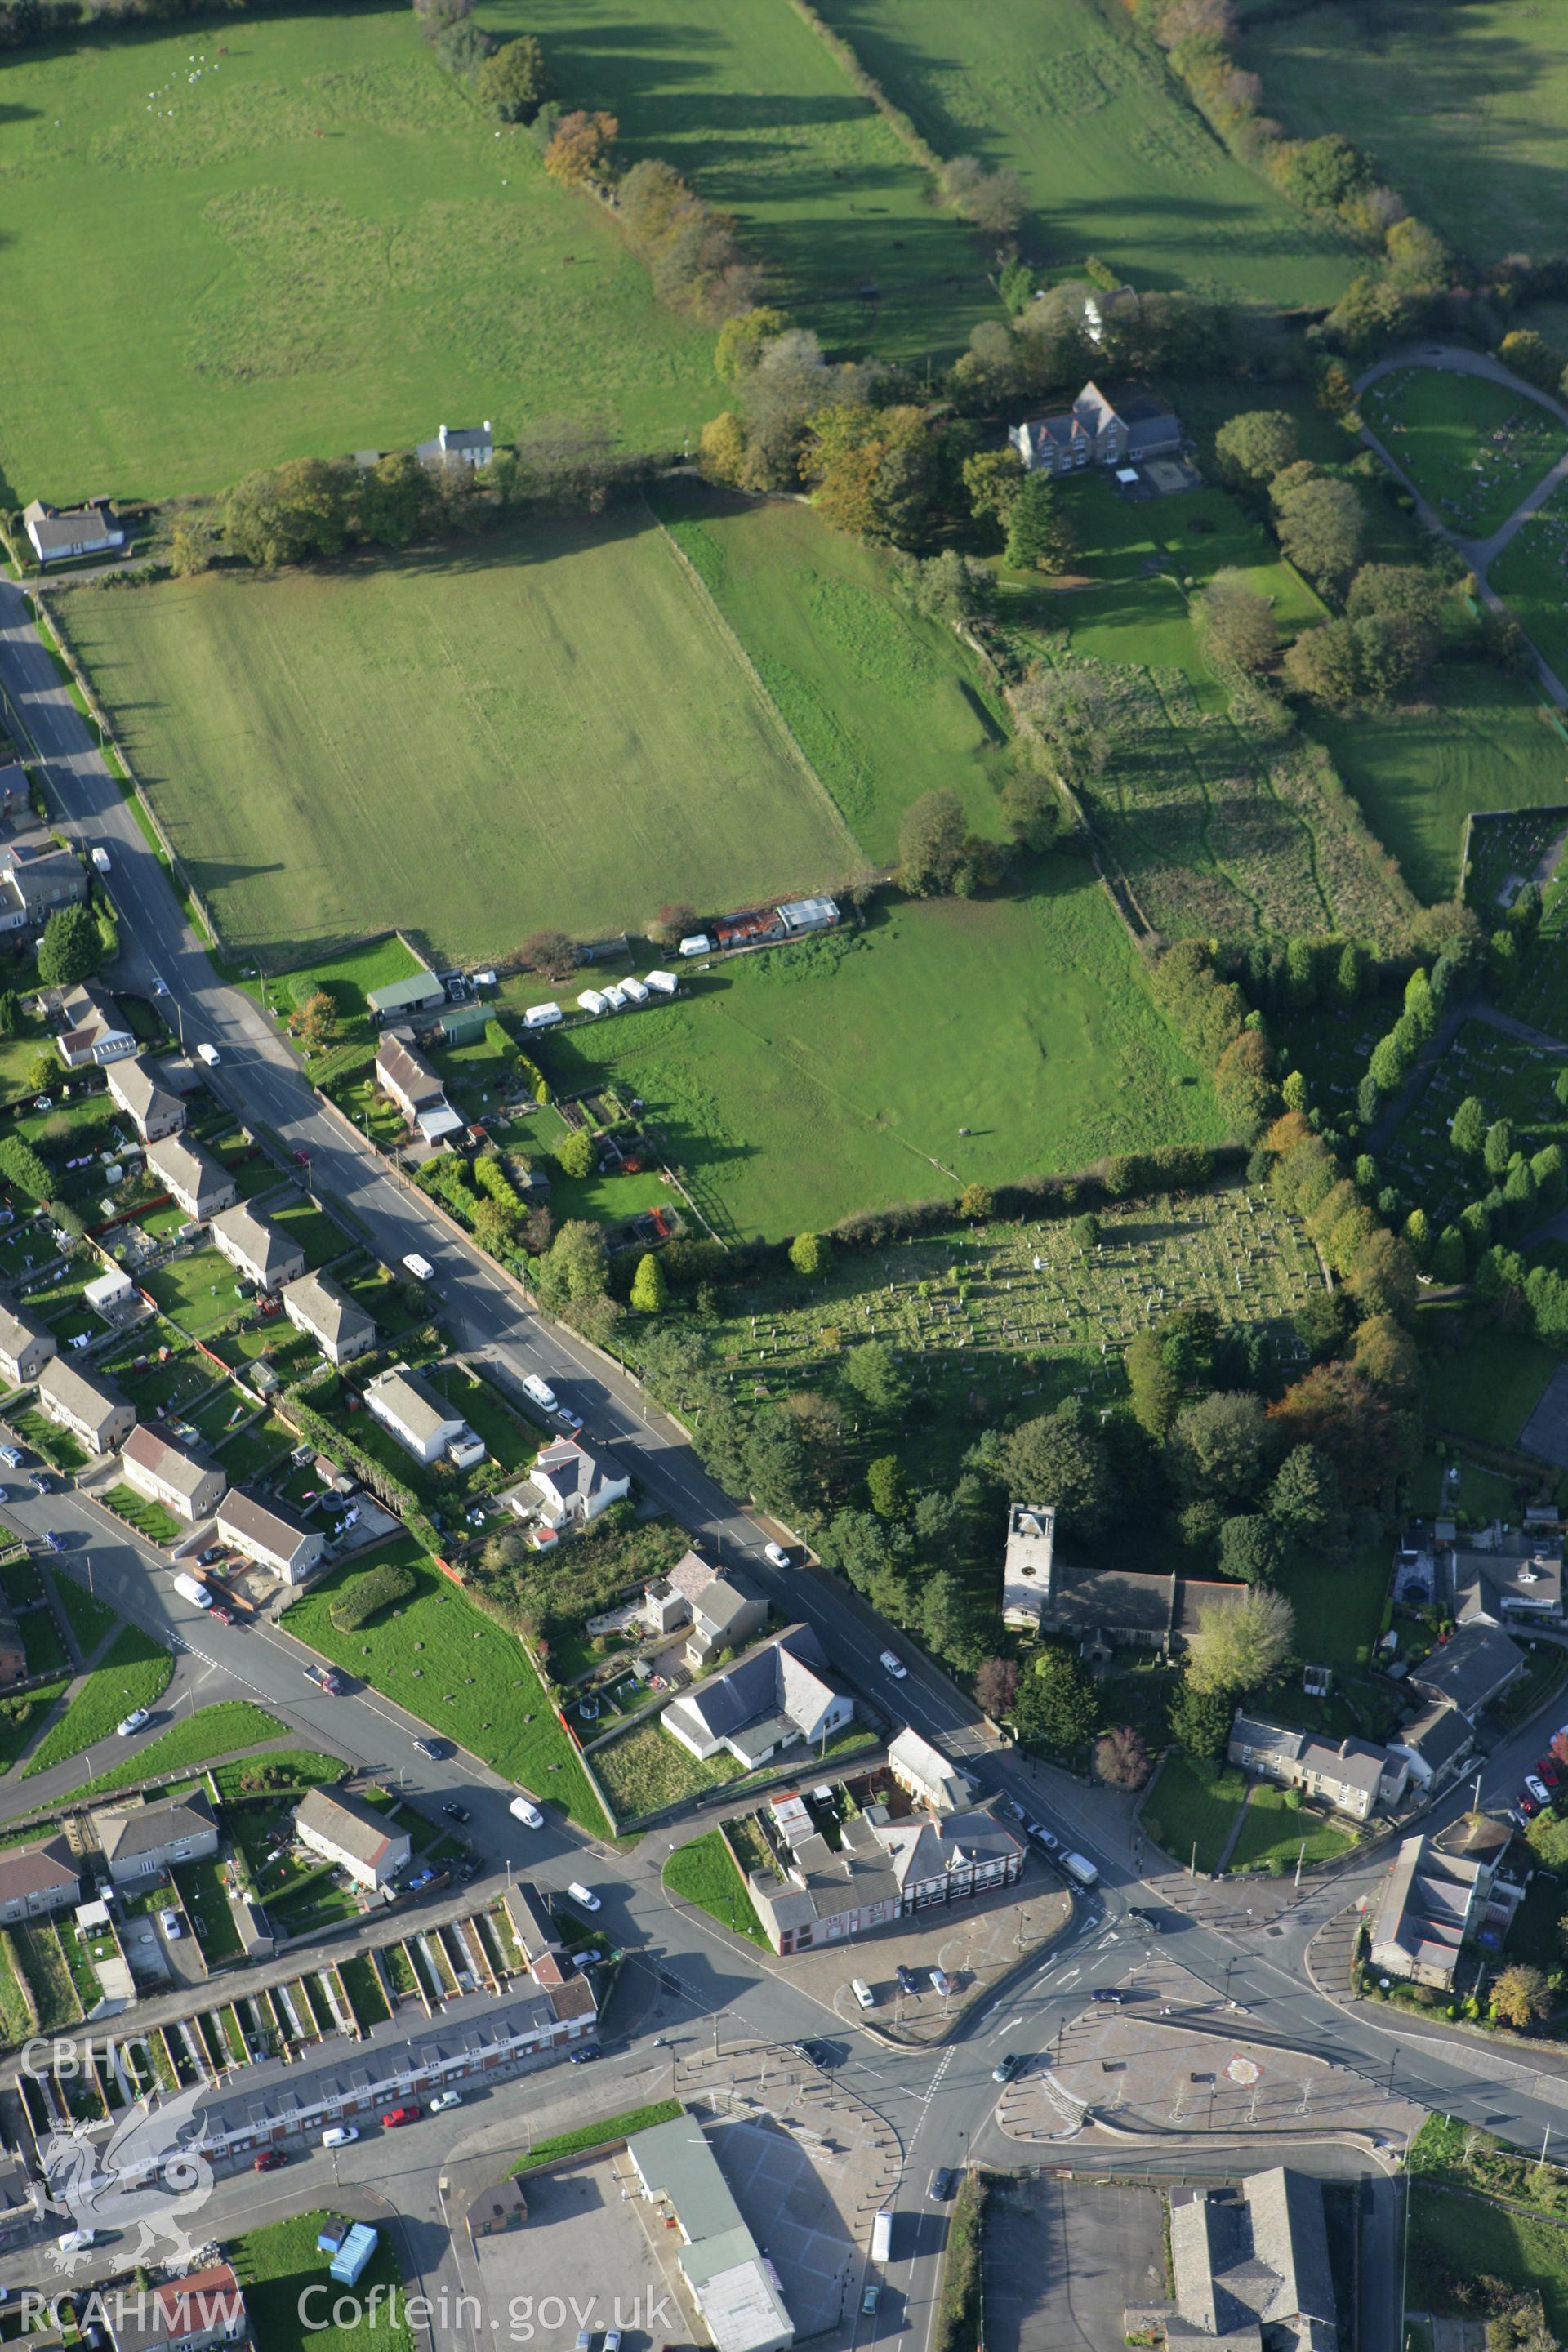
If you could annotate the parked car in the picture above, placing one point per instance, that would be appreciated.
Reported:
(1528, 1805)
(585, 2056)
(209, 1054)
(1006, 2066)
(169, 1920)
(1112, 1994)
(12, 1457)
(612, 2339)
(908, 1980)
(325, 1678)
(893, 1665)
(339, 2135)
(1549, 1770)
(870, 2299)
(444, 2099)
(432, 1749)
(1043, 1837)
(396, 2117)
(571, 1423)
(206, 1559)
(940, 1982)
(469, 1868)
(1536, 1788)
(777, 1554)
(72, 2241)
(581, 1893)
(456, 1812)
(269, 2159)
(130, 1724)
(529, 1815)
(221, 1615)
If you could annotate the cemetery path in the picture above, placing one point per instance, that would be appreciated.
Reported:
(1542, 1039)
(1479, 554)
(1385, 1126)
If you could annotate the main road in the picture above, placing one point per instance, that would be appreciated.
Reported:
(940, 2103)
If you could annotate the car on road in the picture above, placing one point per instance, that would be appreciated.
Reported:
(420, 1267)
(339, 2135)
(571, 1423)
(269, 2159)
(444, 2099)
(942, 2183)
(530, 1815)
(209, 1054)
(817, 2053)
(776, 1555)
(54, 1538)
(101, 858)
(128, 1725)
(325, 1678)
(431, 1749)
(396, 2117)
(456, 1812)
(1043, 1837)
(221, 1615)
(169, 1920)
(586, 2056)
(43, 1484)
(12, 1457)
(1113, 1994)
(1538, 1789)
(583, 1894)
(1150, 1919)
(301, 1160)
(1006, 2066)
(892, 1665)
(160, 987)
(72, 2241)
(870, 2299)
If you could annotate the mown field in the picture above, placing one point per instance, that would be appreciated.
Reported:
(886, 706)
(319, 245)
(553, 729)
(800, 1085)
(1476, 740)
(1473, 142)
(1116, 160)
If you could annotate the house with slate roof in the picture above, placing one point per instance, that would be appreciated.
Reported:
(777, 1697)
(1098, 431)
(1351, 1776)
(1250, 2268)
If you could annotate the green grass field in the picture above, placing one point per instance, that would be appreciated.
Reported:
(565, 685)
(885, 706)
(1472, 142)
(135, 1673)
(278, 2265)
(703, 1872)
(1472, 448)
(318, 245)
(1193, 1803)
(1455, 2239)
(233, 1723)
(1274, 1832)
(1116, 160)
(459, 1670)
(798, 1085)
(1476, 740)
(1531, 576)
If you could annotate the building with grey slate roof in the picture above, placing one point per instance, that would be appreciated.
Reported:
(780, 1695)
(200, 1184)
(37, 1879)
(258, 1248)
(318, 1308)
(92, 1409)
(139, 1840)
(885, 1866)
(353, 1836)
(1250, 2268)
(1101, 1608)
(1472, 1668)
(569, 1486)
(272, 1534)
(1351, 1775)
(26, 1346)
(1435, 1744)
(141, 1095)
(1432, 1904)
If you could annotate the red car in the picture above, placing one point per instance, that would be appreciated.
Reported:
(224, 1616)
(302, 1158)
(399, 2115)
(1549, 1770)
(269, 2159)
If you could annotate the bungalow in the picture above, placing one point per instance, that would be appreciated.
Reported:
(194, 2314)
(354, 1836)
(271, 1534)
(60, 532)
(25, 1347)
(458, 445)
(37, 1879)
(402, 1072)
(194, 1177)
(339, 1327)
(155, 1466)
(777, 1696)
(93, 1033)
(1351, 1776)
(139, 1840)
(255, 1249)
(1098, 431)
(424, 1423)
(154, 1107)
(92, 1410)
(568, 1486)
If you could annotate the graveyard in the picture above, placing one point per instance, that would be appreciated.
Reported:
(999, 1322)
(1511, 1079)
(1530, 576)
(1473, 448)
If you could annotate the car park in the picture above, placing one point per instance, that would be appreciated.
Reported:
(893, 1665)
(130, 1724)
(581, 1893)
(776, 1556)
(1006, 2066)
(396, 2117)
(444, 2099)
(521, 1810)
(940, 1982)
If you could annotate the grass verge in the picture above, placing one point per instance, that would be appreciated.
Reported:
(591, 2135)
(704, 1873)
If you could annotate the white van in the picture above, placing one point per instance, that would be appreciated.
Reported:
(189, 1589)
(882, 2235)
(100, 859)
(340, 2135)
(1084, 1872)
(420, 1267)
(542, 1394)
(862, 1992)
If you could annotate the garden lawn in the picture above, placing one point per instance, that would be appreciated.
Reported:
(704, 1873)
(1456, 2238)
(470, 1680)
(562, 2145)
(148, 1518)
(205, 1898)
(1337, 1608)
(21, 1719)
(570, 663)
(282, 1768)
(57, 1445)
(199, 1293)
(1531, 576)
(135, 1673)
(1471, 143)
(277, 2264)
(217, 1730)
(646, 1770)
(1116, 159)
(1193, 1803)
(314, 242)
(1473, 448)
(1274, 1833)
(1476, 740)
(838, 1074)
(253, 1449)
(92, 1620)
(884, 705)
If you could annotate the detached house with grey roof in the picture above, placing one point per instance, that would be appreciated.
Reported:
(26, 1346)
(257, 1248)
(779, 1696)
(339, 1327)
(57, 534)
(196, 1181)
(352, 1835)
(167, 1474)
(458, 445)
(91, 1033)
(424, 1423)
(1098, 431)
(569, 1486)
(142, 1096)
(139, 1840)
(271, 1533)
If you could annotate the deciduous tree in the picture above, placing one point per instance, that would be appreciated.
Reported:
(995, 1687)
(1256, 445)
(1121, 1756)
(70, 949)
(513, 80)
(1060, 1458)
(811, 1255)
(1236, 625)
(1238, 1645)
(1521, 1996)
